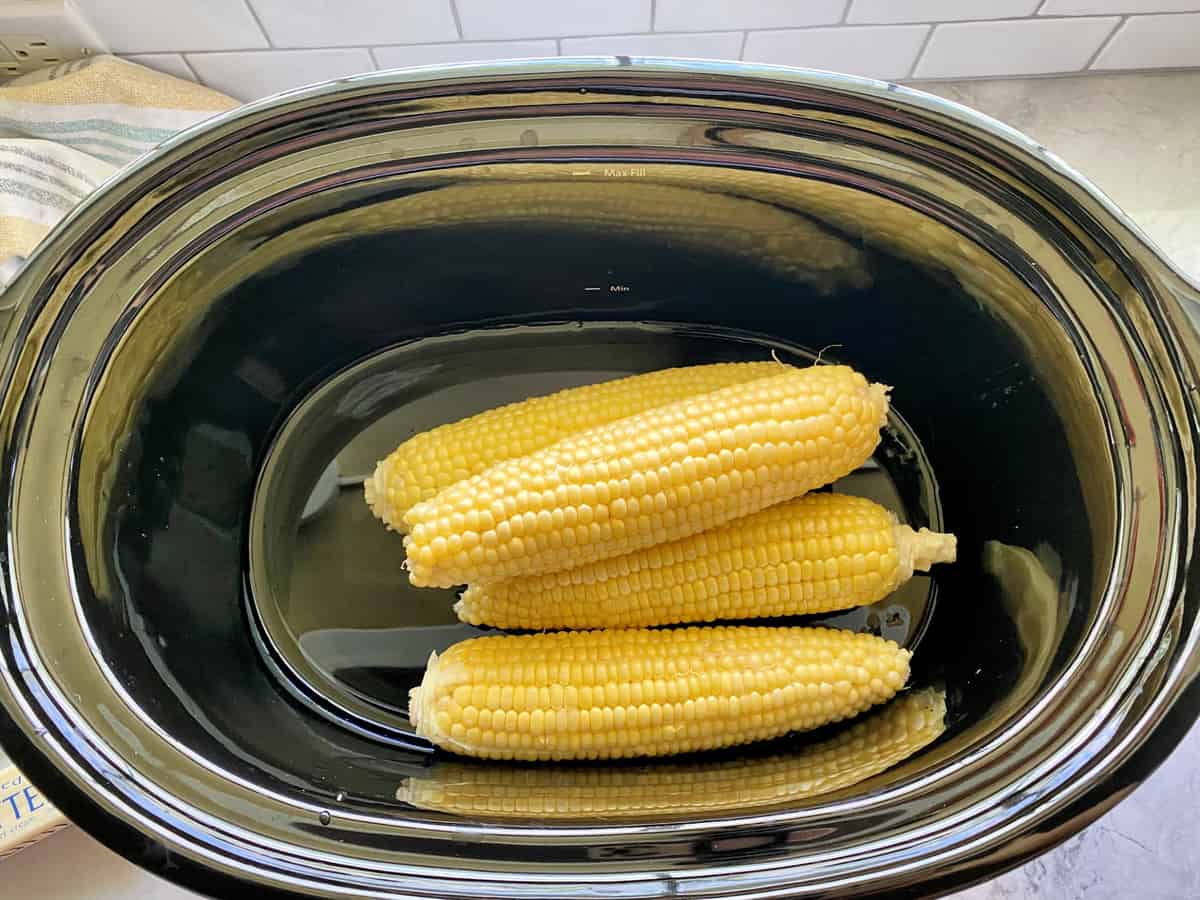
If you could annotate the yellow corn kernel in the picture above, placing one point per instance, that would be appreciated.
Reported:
(906, 725)
(641, 692)
(663, 474)
(818, 553)
(432, 460)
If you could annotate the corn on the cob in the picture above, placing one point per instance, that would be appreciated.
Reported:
(818, 553)
(432, 460)
(670, 472)
(640, 692)
(905, 726)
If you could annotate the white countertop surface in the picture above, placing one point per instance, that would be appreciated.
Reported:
(1138, 138)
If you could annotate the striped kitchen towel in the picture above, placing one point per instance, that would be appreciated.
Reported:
(65, 130)
(62, 132)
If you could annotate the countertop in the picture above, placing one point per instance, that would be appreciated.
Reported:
(1138, 138)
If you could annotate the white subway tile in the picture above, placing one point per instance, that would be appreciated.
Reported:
(714, 15)
(886, 52)
(248, 76)
(1149, 42)
(157, 26)
(463, 51)
(168, 63)
(500, 19)
(1103, 7)
(699, 45)
(1016, 47)
(886, 11)
(337, 23)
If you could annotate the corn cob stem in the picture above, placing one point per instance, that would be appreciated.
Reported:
(926, 548)
(640, 692)
(670, 472)
(432, 460)
(818, 553)
(902, 728)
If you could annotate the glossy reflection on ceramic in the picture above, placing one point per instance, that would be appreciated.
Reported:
(207, 639)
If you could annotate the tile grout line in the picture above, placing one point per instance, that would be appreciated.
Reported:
(1047, 76)
(653, 14)
(1036, 76)
(457, 19)
(268, 50)
(742, 49)
(373, 57)
(188, 63)
(845, 12)
(258, 22)
(1040, 7)
(178, 52)
(359, 46)
(549, 37)
(921, 52)
(558, 46)
(1104, 44)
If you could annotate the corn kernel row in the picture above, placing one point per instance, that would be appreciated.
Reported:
(818, 553)
(640, 692)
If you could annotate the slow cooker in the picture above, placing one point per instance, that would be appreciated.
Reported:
(206, 641)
